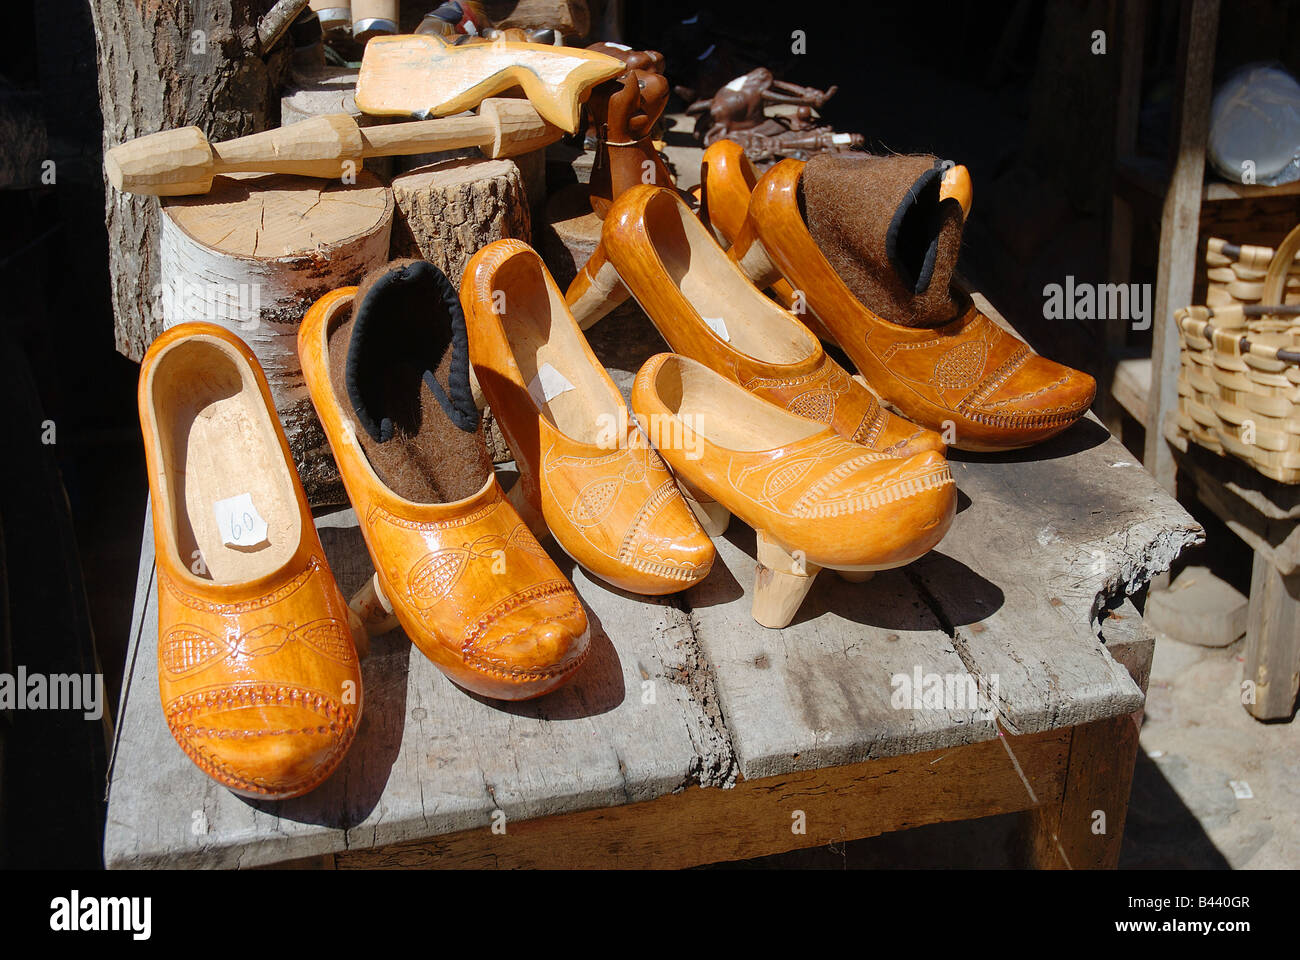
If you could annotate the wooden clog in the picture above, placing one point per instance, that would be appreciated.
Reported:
(971, 377)
(257, 665)
(463, 576)
(707, 310)
(584, 466)
(815, 499)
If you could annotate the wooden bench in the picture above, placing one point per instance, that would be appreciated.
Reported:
(693, 735)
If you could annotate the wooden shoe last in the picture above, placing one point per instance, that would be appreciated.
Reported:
(815, 499)
(970, 376)
(257, 666)
(601, 489)
(463, 575)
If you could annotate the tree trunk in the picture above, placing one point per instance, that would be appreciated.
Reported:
(163, 64)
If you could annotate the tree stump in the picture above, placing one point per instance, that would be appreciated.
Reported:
(163, 65)
(448, 211)
(253, 255)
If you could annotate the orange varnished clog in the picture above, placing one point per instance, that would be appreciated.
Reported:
(257, 665)
(707, 310)
(971, 378)
(466, 579)
(815, 499)
(584, 465)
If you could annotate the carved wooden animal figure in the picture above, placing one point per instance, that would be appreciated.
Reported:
(739, 105)
(624, 112)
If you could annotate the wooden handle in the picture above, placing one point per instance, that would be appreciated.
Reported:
(1275, 280)
(182, 162)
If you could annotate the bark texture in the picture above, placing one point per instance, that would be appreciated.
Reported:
(163, 64)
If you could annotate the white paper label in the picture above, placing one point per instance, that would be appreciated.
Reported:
(548, 384)
(240, 523)
(738, 83)
(718, 326)
(841, 138)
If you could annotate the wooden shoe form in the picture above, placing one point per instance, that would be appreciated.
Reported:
(707, 310)
(585, 468)
(257, 664)
(816, 499)
(467, 581)
(970, 377)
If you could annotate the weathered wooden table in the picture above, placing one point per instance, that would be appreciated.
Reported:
(693, 735)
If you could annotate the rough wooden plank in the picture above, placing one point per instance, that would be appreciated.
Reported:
(759, 817)
(820, 692)
(1131, 386)
(1272, 641)
(430, 759)
(1265, 514)
(1052, 537)
(1199, 27)
(1085, 830)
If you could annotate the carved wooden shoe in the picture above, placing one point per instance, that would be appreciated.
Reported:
(584, 466)
(970, 376)
(257, 667)
(707, 310)
(815, 499)
(388, 373)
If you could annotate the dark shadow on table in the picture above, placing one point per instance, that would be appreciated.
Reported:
(596, 688)
(1084, 435)
(352, 791)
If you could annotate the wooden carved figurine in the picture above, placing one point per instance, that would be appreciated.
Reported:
(737, 112)
(623, 113)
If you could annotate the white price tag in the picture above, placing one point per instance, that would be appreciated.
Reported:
(240, 523)
(718, 326)
(548, 384)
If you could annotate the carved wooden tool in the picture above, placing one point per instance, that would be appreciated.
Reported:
(422, 76)
(179, 162)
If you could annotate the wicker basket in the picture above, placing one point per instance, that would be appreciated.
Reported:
(1235, 274)
(1239, 382)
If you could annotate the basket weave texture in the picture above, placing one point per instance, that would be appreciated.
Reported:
(1239, 378)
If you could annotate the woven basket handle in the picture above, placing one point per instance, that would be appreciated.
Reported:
(1274, 291)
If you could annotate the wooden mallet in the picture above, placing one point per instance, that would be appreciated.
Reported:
(182, 161)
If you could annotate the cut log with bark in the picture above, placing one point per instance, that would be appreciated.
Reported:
(165, 64)
(448, 211)
(253, 255)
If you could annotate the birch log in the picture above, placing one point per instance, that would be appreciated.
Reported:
(253, 255)
(166, 64)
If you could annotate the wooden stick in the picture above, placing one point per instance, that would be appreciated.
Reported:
(181, 162)
(272, 26)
